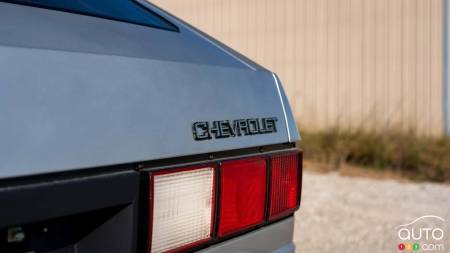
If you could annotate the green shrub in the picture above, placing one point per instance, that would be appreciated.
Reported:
(420, 158)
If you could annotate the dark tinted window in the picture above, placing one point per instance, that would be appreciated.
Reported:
(121, 10)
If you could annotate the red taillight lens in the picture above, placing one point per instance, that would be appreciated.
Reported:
(284, 184)
(250, 192)
(242, 195)
(181, 208)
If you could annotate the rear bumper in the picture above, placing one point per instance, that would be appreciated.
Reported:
(104, 210)
(115, 232)
(275, 238)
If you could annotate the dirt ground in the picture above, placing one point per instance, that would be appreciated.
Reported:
(351, 214)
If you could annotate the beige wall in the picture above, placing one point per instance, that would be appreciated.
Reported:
(372, 64)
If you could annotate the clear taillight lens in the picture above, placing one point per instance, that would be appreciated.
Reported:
(251, 192)
(285, 184)
(182, 208)
(242, 194)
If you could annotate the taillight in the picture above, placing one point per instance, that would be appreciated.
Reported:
(251, 192)
(284, 184)
(182, 208)
(242, 194)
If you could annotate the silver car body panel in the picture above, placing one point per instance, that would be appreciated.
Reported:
(275, 238)
(80, 92)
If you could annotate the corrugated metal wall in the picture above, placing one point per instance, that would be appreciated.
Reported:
(371, 64)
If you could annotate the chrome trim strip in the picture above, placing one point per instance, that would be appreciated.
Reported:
(282, 105)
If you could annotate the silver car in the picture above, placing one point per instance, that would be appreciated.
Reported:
(124, 129)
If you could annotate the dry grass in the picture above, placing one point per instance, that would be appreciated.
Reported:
(417, 158)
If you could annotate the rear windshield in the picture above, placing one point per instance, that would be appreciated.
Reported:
(120, 10)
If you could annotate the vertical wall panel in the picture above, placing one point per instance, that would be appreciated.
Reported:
(333, 63)
(368, 65)
(289, 48)
(436, 67)
(310, 67)
(374, 65)
(420, 65)
(300, 62)
(355, 63)
(321, 69)
(394, 84)
(409, 26)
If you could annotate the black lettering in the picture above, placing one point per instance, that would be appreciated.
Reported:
(215, 129)
(269, 125)
(226, 129)
(201, 131)
(253, 126)
(240, 127)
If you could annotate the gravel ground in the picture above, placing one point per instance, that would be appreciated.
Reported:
(343, 214)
